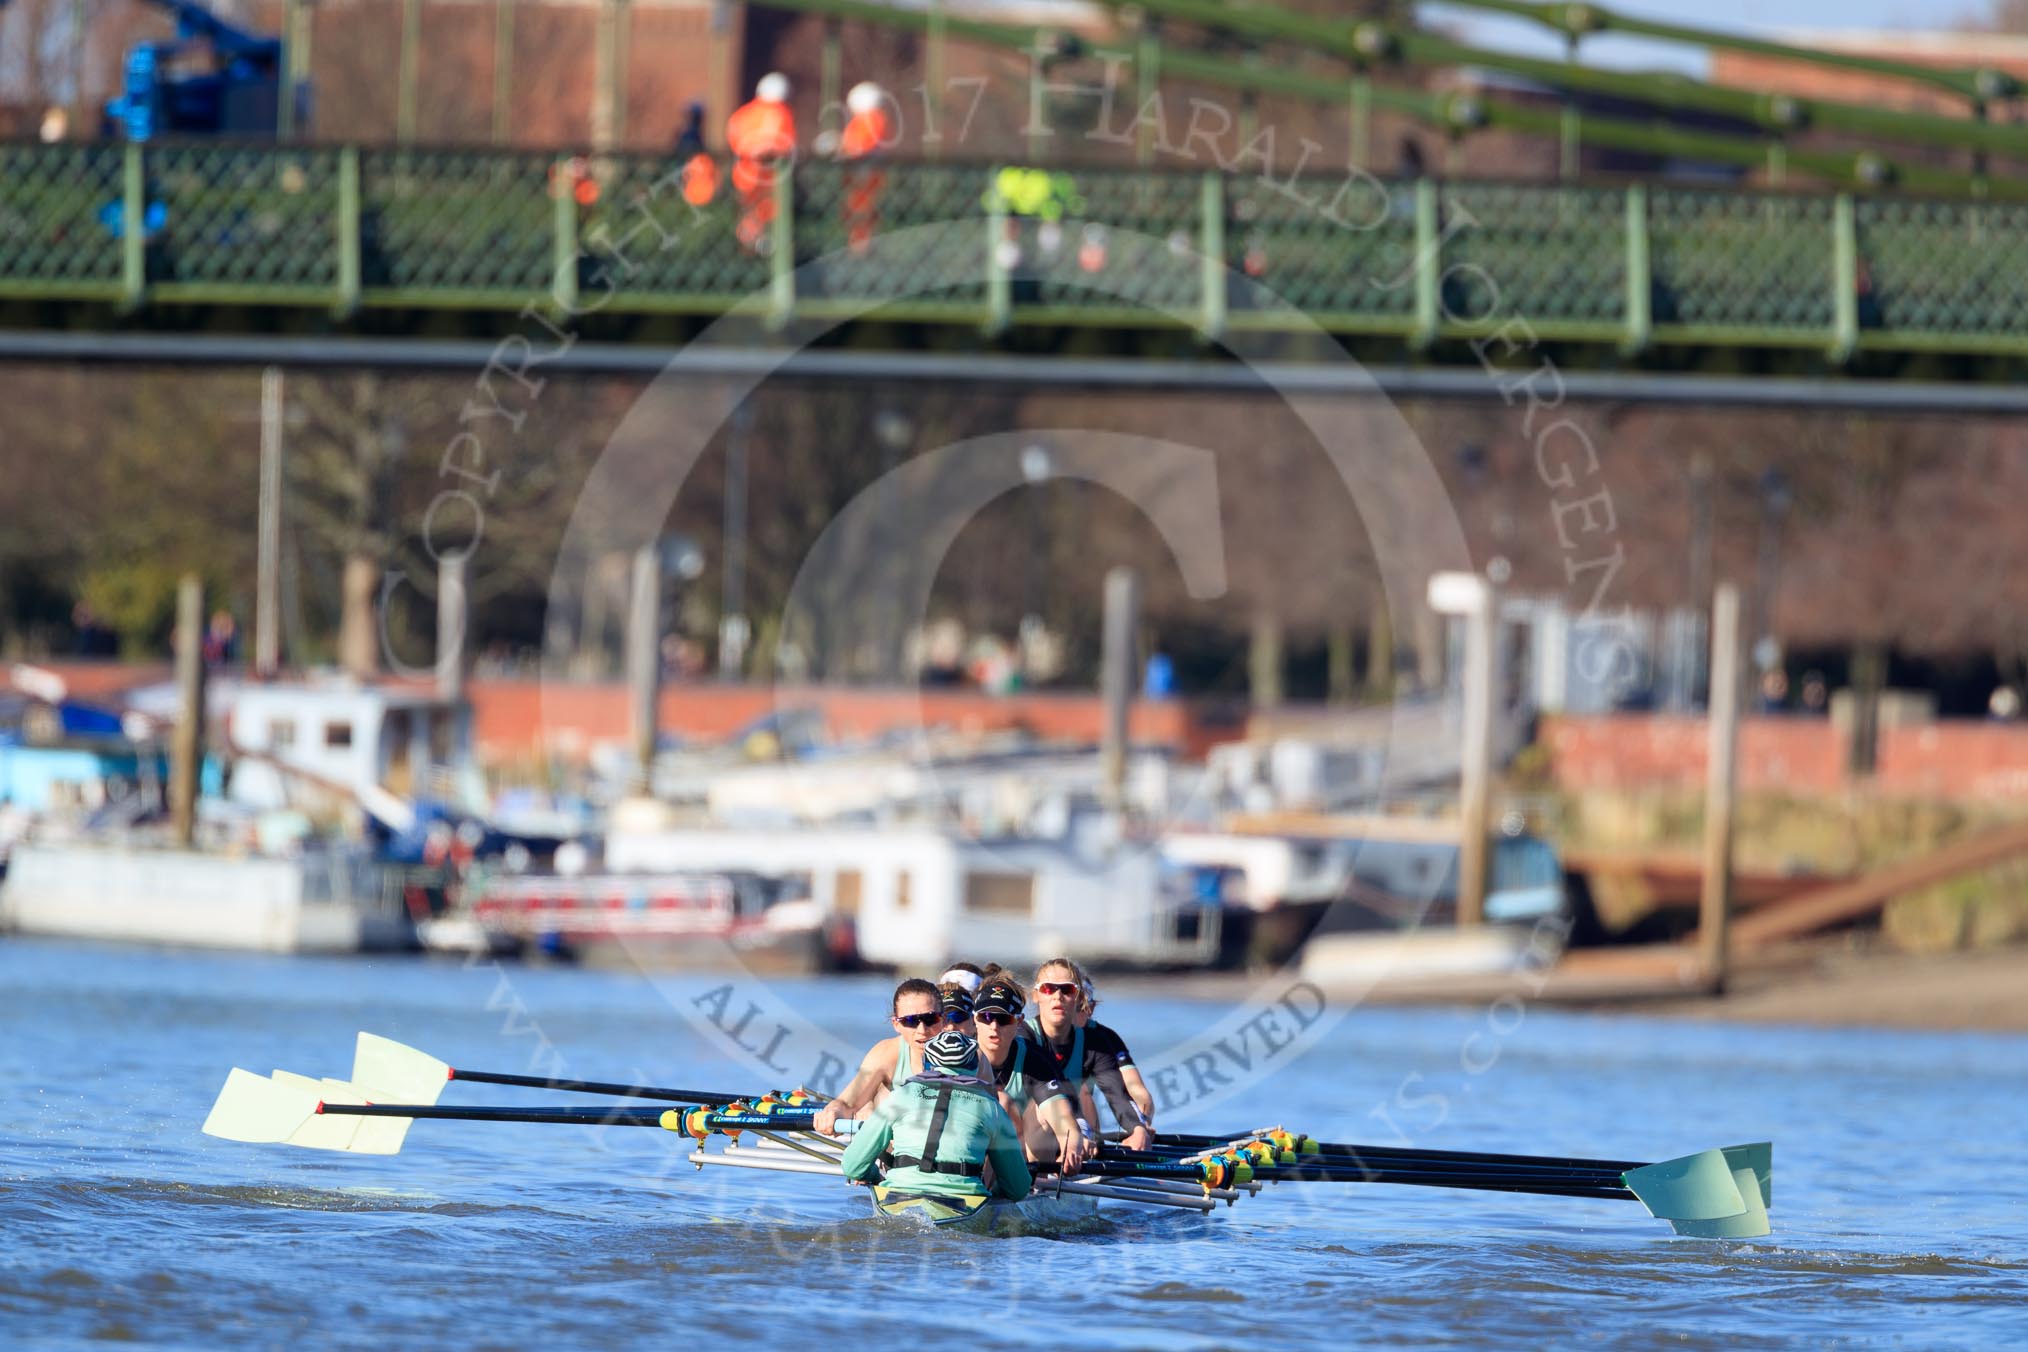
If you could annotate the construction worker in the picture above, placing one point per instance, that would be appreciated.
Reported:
(866, 134)
(761, 133)
(699, 171)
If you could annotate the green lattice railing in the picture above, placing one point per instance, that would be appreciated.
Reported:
(341, 230)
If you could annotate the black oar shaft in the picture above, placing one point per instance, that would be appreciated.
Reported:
(1337, 1166)
(1385, 1154)
(1430, 1178)
(1479, 1181)
(703, 1097)
(589, 1117)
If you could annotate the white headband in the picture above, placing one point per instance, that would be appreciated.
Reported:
(969, 980)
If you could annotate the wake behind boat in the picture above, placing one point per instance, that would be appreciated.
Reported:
(1721, 1193)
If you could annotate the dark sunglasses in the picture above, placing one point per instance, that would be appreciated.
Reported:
(993, 1018)
(929, 1020)
(1060, 988)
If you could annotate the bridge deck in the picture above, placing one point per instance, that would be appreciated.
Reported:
(259, 239)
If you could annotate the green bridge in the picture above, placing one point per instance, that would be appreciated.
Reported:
(401, 242)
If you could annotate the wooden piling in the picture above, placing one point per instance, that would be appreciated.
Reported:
(268, 568)
(451, 617)
(1475, 780)
(1715, 902)
(644, 657)
(186, 751)
(1116, 677)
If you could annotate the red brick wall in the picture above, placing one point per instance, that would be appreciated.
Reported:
(1954, 760)
(520, 717)
(1804, 755)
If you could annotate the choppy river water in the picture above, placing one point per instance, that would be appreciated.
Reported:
(1901, 1196)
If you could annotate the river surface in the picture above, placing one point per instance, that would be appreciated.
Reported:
(1900, 1192)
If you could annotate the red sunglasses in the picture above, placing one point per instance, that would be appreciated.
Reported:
(1060, 988)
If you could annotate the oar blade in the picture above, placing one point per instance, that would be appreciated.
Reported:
(257, 1110)
(318, 1132)
(1758, 1157)
(369, 1135)
(1750, 1223)
(1714, 1194)
(388, 1072)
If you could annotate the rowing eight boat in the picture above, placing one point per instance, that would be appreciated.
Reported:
(1712, 1194)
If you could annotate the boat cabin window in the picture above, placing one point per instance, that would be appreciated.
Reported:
(337, 735)
(902, 881)
(281, 734)
(845, 889)
(1000, 893)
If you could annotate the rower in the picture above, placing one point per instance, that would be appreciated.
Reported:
(964, 974)
(947, 1130)
(916, 1012)
(1088, 1053)
(1130, 1074)
(1029, 1080)
(955, 1001)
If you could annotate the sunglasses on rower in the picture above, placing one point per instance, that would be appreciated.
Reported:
(994, 1018)
(1059, 988)
(929, 1020)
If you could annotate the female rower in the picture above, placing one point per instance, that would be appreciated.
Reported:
(966, 974)
(1137, 1088)
(917, 1012)
(955, 1000)
(1028, 1079)
(1089, 1054)
(945, 1132)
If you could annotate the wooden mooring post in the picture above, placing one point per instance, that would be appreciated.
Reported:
(644, 658)
(1714, 925)
(1116, 678)
(186, 751)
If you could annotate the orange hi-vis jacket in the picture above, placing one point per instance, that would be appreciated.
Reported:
(760, 131)
(864, 134)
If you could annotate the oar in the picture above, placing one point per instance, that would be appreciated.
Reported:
(582, 1117)
(1714, 1194)
(1210, 1170)
(1325, 1165)
(1381, 1154)
(382, 1060)
(690, 1123)
(705, 1097)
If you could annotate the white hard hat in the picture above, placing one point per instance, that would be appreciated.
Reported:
(773, 88)
(865, 97)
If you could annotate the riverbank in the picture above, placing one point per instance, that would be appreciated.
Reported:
(1827, 984)
(1985, 991)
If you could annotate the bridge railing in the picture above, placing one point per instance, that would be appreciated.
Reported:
(342, 230)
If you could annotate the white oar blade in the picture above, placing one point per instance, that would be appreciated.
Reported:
(373, 1135)
(257, 1110)
(320, 1132)
(388, 1072)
